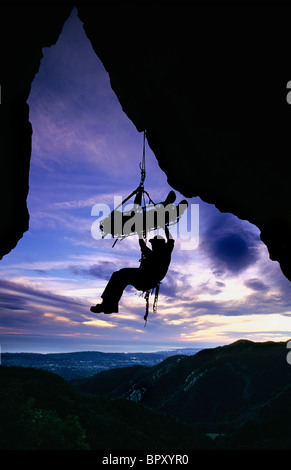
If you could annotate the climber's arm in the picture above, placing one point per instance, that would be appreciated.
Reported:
(170, 240)
(168, 234)
(143, 248)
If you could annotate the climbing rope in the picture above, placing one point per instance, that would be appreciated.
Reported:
(142, 164)
(139, 192)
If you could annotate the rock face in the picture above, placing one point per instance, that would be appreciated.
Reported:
(25, 29)
(207, 82)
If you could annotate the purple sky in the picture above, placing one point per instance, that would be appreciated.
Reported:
(86, 151)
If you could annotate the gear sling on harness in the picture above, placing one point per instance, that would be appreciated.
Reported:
(155, 304)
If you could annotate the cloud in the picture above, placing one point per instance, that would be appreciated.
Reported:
(256, 328)
(233, 251)
(24, 297)
(102, 270)
(99, 323)
(230, 246)
(175, 285)
(212, 288)
(26, 310)
(10, 302)
(257, 285)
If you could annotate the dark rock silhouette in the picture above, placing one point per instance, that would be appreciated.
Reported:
(207, 82)
(25, 29)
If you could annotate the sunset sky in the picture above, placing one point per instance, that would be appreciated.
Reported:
(86, 151)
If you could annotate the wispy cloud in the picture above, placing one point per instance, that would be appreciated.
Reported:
(256, 285)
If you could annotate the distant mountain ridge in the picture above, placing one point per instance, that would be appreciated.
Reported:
(231, 397)
(73, 365)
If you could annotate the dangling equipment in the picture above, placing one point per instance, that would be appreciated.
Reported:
(155, 303)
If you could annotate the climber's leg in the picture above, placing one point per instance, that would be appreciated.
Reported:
(114, 289)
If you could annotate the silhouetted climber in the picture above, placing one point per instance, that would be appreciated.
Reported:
(153, 268)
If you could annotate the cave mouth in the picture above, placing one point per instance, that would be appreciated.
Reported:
(79, 156)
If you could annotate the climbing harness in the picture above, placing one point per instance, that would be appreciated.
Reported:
(146, 294)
